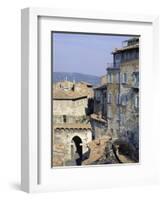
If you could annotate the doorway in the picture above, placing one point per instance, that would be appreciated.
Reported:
(77, 150)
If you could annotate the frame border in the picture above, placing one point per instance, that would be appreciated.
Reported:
(30, 79)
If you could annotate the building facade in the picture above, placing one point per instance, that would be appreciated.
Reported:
(71, 127)
(123, 92)
(117, 100)
(129, 90)
(113, 101)
(99, 117)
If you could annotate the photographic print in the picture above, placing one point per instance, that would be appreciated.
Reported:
(95, 99)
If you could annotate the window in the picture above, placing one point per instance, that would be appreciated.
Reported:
(125, 56)
(117, 78)
(122, 117)
(117, 60)
(136, 79)
(117, 57)
(124, 78)
(109, 114)
(118, 116)
(118, 99)
(101, 98)
(97, 95)
(110, 98)
(136, 103)
(110, 78)
(128, 56)
(124, 100)
(64, 119)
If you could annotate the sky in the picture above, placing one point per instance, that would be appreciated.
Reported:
(84, 53)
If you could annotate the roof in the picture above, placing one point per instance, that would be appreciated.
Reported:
(86, 83)
(100, 87)
(66, 90)
(68, 95)
(72, 126)
(125, 48)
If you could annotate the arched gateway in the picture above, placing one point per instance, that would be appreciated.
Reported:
(77, 149)
(70, 143)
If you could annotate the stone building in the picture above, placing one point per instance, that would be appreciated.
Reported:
(100, 101)
(116, 103)
(83, 115)
(123, 92)
(129, 90)
(71, 127)
(99, 117)
(113, 101)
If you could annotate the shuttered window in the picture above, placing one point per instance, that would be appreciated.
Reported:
(124, 78)
(109, 114)
(136, 103)
(110, 78)
(118, 99)
(117, 78)
(124, 100)
(109, 98)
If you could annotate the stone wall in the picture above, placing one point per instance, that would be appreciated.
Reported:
(70, 107)
(60, 119)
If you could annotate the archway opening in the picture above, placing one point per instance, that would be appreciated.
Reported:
(77, 153)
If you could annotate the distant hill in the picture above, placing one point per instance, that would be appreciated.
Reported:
(77, 77)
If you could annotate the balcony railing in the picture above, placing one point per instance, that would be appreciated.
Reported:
(113, 65)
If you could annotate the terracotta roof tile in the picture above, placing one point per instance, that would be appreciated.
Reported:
(69, 90)
(61, 94)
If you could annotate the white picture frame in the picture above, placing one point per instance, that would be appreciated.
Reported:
(36, 173)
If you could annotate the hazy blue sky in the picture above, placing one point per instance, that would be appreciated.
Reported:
(84, 53)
